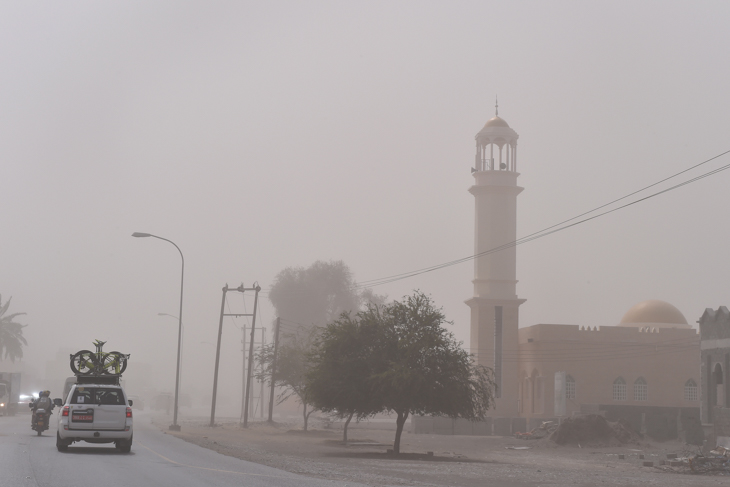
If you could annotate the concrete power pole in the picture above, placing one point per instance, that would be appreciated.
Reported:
(239, 289)
(250, 356)
(273, 369)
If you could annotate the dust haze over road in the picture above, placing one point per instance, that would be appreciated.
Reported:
(260, 135)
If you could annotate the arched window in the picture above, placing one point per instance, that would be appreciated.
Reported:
(569, 387)
(690, 391)
(641, 390)
(619, 389)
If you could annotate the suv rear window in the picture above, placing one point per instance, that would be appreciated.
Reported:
(111, 396)
(82, 395)
(98, 395)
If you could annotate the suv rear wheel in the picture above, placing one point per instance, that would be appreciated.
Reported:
(124, 446)
(60, 444)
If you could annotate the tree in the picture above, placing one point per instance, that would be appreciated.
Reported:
(11, 334)
(419, 368)
(340, 367)
(292, 365)
(315, 295)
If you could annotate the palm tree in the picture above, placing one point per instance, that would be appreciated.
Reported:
(11, 334)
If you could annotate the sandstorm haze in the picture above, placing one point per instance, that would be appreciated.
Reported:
(260, 135)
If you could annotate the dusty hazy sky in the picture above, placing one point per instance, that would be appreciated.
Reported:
(259, 135)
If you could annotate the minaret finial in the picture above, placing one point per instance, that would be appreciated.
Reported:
(496, 106)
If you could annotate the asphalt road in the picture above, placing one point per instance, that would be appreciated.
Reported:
(156, 459)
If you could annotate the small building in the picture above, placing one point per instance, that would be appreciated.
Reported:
(715, 351)
(644, 370)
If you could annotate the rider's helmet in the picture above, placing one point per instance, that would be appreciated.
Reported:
(47, 393)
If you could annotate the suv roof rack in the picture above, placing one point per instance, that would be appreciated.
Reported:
(112, 380)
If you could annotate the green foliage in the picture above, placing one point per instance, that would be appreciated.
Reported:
(399, 358)
(341, 366)
(421, 368)
(11, 334)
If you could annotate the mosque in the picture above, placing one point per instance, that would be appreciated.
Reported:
(646, 369)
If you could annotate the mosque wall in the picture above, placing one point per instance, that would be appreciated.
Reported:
(608, 365)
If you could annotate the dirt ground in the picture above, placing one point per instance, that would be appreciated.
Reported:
(463, 461)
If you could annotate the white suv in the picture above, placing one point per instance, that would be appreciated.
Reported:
(95, 413)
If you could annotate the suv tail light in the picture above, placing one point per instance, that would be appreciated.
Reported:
(129, 412)
(65, 411)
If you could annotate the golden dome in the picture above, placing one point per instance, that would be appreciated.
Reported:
(656, 313)
(496, 122)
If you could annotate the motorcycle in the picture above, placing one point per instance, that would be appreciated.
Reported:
(40, 421)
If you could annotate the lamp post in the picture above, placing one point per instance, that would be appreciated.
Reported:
(174, 426)
(182, 346)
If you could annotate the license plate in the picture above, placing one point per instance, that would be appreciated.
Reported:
(40, 423)
(82, 417)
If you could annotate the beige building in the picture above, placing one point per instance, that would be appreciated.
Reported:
(651, 358)
(645, 368)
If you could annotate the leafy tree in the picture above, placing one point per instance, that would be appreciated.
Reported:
(292, 365)
(315, 295)
(11, 334)
(419, 368)
(340, 369)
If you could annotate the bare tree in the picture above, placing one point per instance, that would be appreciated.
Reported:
(292, 365)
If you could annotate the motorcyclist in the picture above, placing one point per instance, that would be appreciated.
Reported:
(43, 402)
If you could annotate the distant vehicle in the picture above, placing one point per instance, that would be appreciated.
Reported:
(70, 381)
(95, 413)
(138, 402)
(163, 401)
(4, 397)
(166, 401)
(24, 400)
(9, 393)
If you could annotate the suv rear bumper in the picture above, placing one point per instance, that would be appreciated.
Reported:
(94, 436)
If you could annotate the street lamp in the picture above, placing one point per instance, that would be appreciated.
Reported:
(174, 426)
(183, 340)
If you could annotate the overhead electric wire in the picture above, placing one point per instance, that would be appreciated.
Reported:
(552, 229)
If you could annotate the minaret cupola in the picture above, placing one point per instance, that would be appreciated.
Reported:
(496, 146)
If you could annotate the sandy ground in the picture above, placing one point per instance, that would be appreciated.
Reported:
(464, 461)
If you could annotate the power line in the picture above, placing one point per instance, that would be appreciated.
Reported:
(558, 226)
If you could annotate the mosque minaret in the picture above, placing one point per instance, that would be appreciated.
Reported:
(645, 371)
(495, 305)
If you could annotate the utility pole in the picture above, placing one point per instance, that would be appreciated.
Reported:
(251, 399)
(273, 370)
(261, 393)
(257, 288)
(239, 289)
(243, 370)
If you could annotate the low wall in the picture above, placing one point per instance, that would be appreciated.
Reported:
(659, 423)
